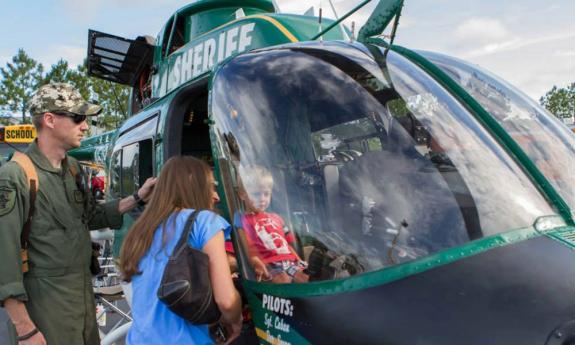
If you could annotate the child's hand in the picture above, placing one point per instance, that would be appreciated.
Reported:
(260, 269)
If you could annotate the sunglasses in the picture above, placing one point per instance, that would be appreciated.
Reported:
(78, 119)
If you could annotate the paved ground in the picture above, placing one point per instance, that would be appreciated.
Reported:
(249, 338)
(112, 318)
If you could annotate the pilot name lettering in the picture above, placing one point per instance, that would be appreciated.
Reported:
(278, 323)
(275, 340)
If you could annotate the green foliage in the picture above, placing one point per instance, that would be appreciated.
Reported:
(59, 73)
(112, 97)
(109, 122)
(5, 121)
(560, 101)
(79, 78)
(24, 75)
(19, 79)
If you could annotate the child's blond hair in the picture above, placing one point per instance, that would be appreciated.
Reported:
(256, 175)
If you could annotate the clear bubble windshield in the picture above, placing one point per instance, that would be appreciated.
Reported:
(547, 141)
(329, 159)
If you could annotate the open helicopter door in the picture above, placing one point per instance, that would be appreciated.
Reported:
(118, 59)
(123, 61)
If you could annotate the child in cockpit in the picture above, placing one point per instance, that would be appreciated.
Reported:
(271, 252)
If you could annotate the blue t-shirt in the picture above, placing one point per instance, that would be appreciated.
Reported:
(153, 323)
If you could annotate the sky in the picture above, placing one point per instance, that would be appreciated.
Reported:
(530, 43)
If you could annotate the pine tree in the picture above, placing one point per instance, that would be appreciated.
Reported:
(112, 97)
(19, 79)
(59, 73)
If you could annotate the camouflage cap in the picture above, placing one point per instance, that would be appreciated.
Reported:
(61, 97)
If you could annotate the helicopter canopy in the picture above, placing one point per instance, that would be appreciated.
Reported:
(376, 165)
(547, 141)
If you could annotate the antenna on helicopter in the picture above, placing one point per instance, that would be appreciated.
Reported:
(310, 11)
(319, 27)
(277, 8)
(337, 22)
(240, 13)
(333, 9)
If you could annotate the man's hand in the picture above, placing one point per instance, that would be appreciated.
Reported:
(37, 339)
(145, 192)
(22, 322)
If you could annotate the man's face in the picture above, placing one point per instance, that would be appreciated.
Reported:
(259, 198)
(68, 131)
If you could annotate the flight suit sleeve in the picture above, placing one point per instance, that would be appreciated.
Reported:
(14, 205)
(105, 215)
(96, 215)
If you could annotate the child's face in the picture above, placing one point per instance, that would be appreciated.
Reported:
(213, 185)
(259, 198)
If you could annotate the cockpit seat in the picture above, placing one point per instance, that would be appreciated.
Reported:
(394, 196)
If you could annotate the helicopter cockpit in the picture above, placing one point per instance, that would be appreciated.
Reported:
(374, 163)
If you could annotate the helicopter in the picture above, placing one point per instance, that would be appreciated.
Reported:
(431, 200)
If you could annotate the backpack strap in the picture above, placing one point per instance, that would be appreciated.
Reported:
(79, 176)
(26, 164)
(73, 170)
(77, 173)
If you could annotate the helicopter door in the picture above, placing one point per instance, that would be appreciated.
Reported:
(133, 158)
(123, 61)
(188, 131)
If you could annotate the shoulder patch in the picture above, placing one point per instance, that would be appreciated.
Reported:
(7, 200)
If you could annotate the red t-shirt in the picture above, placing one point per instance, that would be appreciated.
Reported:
(229, 247)
(265, 232)
(98, 182)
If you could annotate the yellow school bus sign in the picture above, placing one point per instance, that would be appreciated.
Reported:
(17, 134)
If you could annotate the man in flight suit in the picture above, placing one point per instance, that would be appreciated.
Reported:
(53, 302)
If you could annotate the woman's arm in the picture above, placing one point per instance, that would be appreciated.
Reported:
(226, 296)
